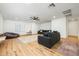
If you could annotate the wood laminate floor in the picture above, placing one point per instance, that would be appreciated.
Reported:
(22, 47)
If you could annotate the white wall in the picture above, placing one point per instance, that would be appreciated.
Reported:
(57, 24)
(21, 27)
(1, 24)
(60, 25)
(73, 27)
(35, 27)
(45, 26)
(78, 27)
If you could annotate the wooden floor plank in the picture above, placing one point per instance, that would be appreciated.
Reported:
(12, 47)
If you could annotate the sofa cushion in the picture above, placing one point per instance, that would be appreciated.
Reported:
(48, 34)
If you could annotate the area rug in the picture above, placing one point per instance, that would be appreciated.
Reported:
(69, 48)
(23, 40)
(27, 39)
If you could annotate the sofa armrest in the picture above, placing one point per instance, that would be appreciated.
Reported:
(44, 39)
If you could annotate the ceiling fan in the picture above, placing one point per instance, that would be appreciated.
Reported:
(35, 18)
(51, 5)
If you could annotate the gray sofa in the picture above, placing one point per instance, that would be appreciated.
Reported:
(49, 39)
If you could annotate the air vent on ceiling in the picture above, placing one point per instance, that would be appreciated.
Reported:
(67, 12)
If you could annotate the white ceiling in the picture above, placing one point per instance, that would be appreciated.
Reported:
(22, 11)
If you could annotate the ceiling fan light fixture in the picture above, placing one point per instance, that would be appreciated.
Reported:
(51, 5)
(35, 18)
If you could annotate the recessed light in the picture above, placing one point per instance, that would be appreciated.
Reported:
(54, 17)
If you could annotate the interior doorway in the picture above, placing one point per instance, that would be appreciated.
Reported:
(72, 27)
